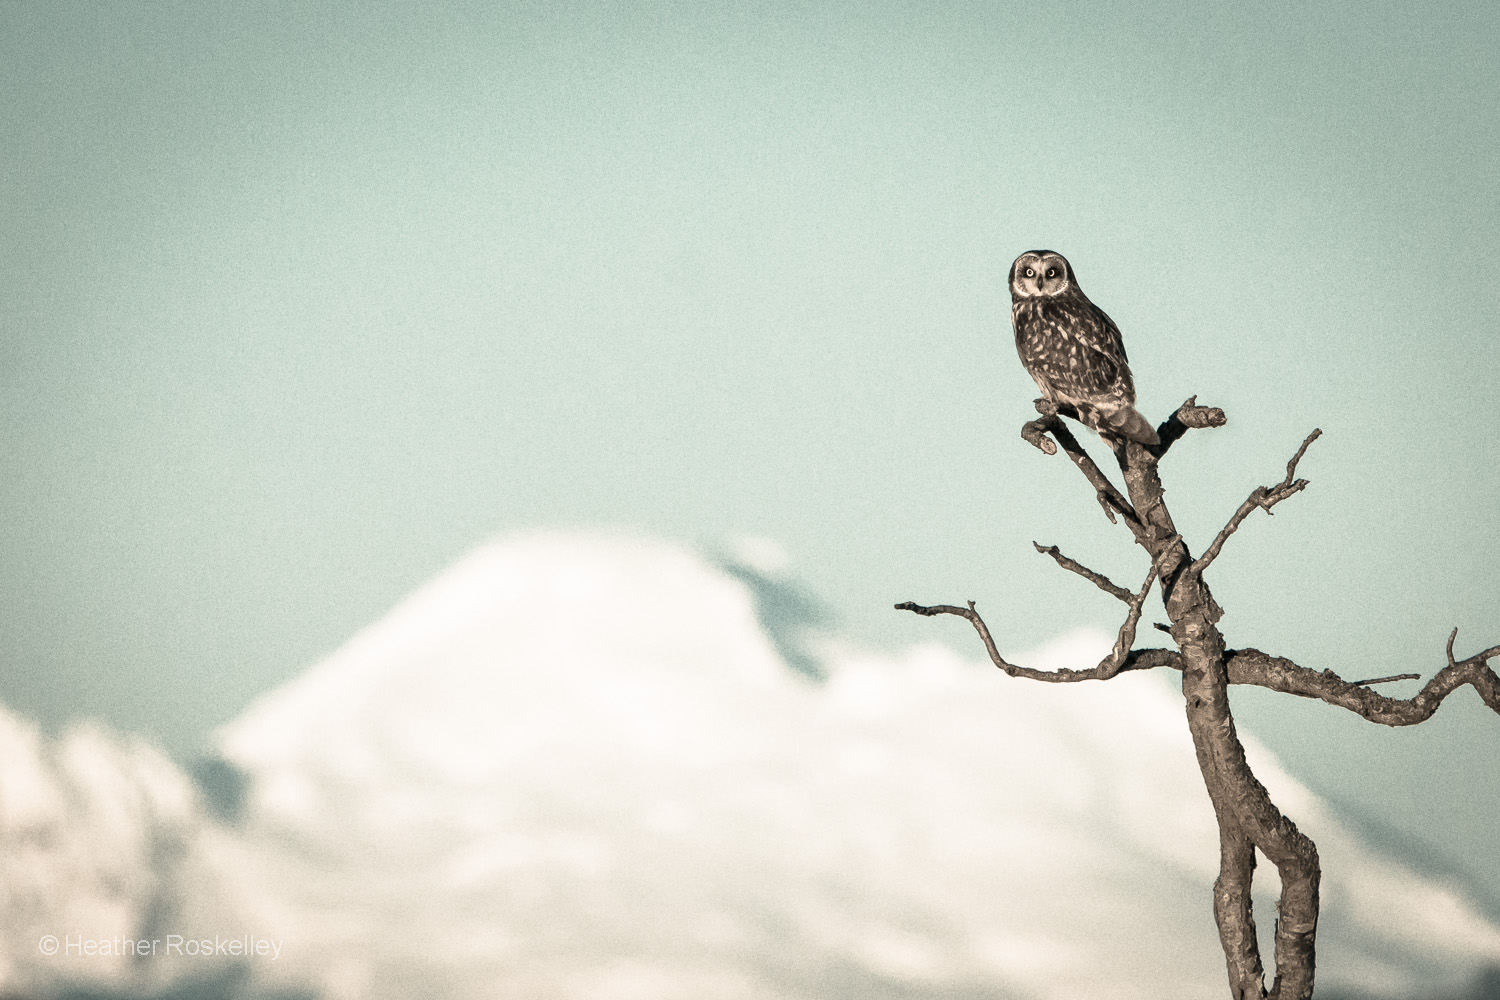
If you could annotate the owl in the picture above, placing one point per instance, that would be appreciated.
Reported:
(1072, 349)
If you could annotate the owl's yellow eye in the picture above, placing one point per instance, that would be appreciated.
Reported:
(1030, 273)
(1051, 272)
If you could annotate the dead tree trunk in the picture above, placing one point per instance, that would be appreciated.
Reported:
(1248, 819)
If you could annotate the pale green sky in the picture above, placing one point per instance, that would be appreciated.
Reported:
(301, 303)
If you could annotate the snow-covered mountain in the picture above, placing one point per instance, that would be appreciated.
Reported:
(97, 835)
(581, 768)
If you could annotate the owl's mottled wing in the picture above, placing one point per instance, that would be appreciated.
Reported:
(1074, 351)
(1111, 332)
(1106, 373)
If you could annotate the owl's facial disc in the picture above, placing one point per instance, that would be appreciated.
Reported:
(1040, 273)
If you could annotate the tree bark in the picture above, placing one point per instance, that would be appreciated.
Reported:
(1248, 819)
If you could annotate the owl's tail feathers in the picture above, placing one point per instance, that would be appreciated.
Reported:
(1128, 422)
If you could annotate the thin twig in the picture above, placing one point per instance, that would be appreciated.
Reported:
(1264, 497)
(1387, 680)
(1097, 579)
(1111, 664)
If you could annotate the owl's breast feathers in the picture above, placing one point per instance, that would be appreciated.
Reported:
(1073, 351)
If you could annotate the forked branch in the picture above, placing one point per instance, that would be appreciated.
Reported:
(1264, 497)
(1277, 673)
(1120, 658)
(1117, 658)
(1188, 416)
(1249, 822)
(1251, 666)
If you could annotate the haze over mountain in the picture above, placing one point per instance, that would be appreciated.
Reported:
(604, 768)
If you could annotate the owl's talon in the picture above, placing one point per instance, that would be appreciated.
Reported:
(1045, 407)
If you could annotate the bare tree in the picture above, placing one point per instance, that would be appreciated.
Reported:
(1247, 817)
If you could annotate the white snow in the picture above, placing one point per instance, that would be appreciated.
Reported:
(86, 824)
(575, 767)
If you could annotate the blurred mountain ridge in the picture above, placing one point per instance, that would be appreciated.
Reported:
(590, 766)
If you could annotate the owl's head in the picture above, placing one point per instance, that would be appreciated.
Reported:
(1040, 274)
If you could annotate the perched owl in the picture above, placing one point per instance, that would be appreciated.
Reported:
(1072, 349)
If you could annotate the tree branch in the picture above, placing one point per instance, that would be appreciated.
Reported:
(1120, 658)
(1136, 659)
(1189, 416)
(1248, 819)
(1115, 661)
(1264, 497)
(1387, 680)
(1035, 432)
(1251, 666)
(1233, 908)
(1097, 579)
